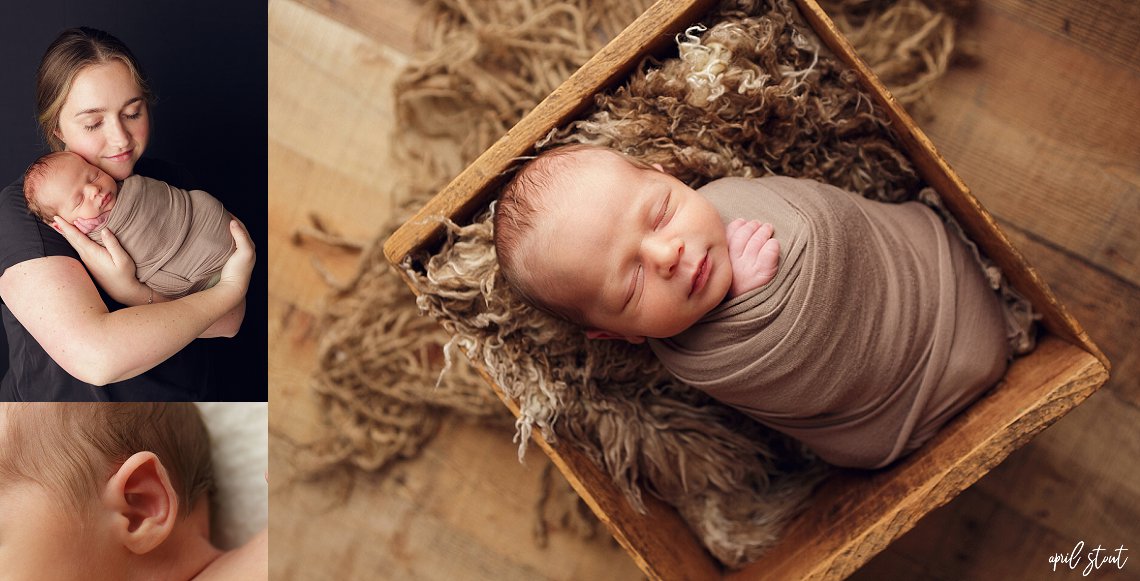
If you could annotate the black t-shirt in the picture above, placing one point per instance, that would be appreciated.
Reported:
(32, 374)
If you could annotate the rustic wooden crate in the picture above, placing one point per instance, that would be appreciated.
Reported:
(855, 514)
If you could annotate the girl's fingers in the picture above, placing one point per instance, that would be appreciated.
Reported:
(113, 247)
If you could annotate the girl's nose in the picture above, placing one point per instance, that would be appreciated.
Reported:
(117, 135)
(664, 254)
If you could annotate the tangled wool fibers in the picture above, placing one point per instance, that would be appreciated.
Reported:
(488, 64)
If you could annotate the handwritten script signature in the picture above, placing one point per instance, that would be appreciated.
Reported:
(1097, 558)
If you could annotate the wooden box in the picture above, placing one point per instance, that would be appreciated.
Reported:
(853, 515)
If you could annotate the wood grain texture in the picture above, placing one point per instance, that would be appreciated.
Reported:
(1043, 135)
(1107, 28)
(1073, 144)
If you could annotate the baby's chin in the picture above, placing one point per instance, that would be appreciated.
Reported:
(89, 225)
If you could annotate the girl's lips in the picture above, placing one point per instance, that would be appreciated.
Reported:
(122, 156)
(701, 276)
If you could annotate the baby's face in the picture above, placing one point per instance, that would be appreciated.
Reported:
(79, 192)
(637, 251)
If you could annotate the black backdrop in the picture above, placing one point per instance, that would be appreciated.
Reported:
(206, 62)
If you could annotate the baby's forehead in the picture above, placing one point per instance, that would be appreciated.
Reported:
(66, 159)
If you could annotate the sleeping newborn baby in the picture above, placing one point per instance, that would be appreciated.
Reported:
(112, 491)
(178, 239)
(856, 327)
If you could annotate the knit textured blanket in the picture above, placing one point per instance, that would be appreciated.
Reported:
(878, 327)
(179, 239)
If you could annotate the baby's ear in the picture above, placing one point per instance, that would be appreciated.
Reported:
(600, 334)
(659, 168)
(143, 503)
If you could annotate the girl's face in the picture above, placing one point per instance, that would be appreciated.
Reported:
(105, 118)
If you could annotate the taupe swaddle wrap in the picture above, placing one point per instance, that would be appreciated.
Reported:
(878, 327)
(179, 239)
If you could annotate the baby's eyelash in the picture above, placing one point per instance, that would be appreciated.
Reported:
(629, 300)
(664, 211)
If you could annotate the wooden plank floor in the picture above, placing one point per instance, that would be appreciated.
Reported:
(1046, 131)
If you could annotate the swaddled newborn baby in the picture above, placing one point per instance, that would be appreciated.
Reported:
(178, 239)
(857, 327)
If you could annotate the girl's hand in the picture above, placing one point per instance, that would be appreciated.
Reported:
(238, 268)
(753, 254)
(111, 267)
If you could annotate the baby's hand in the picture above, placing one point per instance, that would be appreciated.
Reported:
(753, 254)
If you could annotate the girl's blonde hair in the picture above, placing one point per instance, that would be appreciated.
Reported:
(72, 51)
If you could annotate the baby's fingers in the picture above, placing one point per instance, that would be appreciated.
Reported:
(760, 236)
(768, 259)
(740, 236)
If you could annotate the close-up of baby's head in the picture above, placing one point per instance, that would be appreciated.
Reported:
(84, 487)
(63, 184)
(610, 243)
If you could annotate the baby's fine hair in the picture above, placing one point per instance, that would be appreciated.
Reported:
(519, 206)
(34, 178)
(72, 449)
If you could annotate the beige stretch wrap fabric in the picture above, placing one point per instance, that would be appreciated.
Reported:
(179, 239)
(877, 329)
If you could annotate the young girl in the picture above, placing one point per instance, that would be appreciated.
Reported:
(65, 338)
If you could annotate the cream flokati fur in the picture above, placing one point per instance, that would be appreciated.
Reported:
(753, 94)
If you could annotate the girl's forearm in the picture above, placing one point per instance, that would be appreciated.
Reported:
(149, 334)
(226, 326)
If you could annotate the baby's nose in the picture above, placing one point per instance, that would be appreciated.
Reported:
(665, 255)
